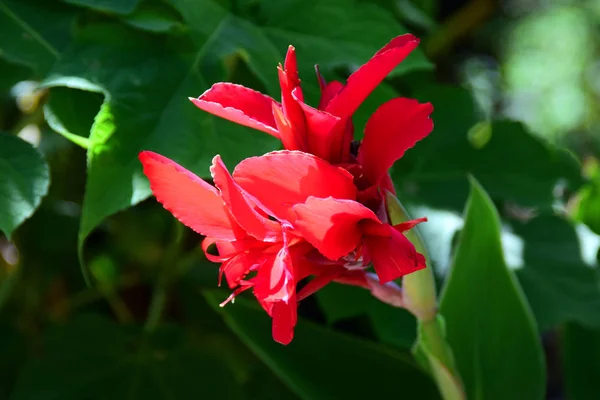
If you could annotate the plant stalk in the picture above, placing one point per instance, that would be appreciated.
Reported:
(420, 298)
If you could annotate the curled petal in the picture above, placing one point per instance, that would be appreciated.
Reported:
(362, 82)
(394, 128)
(392, 256)
(191, 200)
(239, 104)
(244, 213)
(241, 265)
(389, 293)
(275, 279)
(332, 225)
(280, 179)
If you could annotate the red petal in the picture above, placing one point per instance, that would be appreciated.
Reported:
(329, 92)
(280, 179)
(294, 135)
(355, 277)
(191, 200)
(362, 82)
(244, 213)
(408, 225)
(332, 225)
(394, 128)
(322, 131)
(291, 67)
(239, 104)
(285, 317)
(238, 267)
(392, 256)
(319, 282)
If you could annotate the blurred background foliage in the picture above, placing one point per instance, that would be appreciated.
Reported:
(85, 85)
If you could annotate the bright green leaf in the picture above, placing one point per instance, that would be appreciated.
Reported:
(488, 322)
(25, 180)
(323, 364)
(588, 207)
(72, 112)
(93, 358)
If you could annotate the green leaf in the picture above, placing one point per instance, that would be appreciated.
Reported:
(110, 6)
(559, 285)
(580, 355)
(394, 326)
(92, 358)
(312, 27)
(33, 32)
(444, 159)
(588, 207)
(25, 180)
(145, 108)
(155, 18)
(11, 74)
(319, 362)
(72, 112)
(488, 322)
(13, 350)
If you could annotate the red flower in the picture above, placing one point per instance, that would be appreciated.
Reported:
(317, 227)
(327, 131)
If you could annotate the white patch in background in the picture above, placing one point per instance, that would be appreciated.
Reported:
(589, 243)
(437, 232)
(512, 247)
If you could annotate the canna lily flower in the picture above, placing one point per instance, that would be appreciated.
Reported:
(327, 131)
(280, 218)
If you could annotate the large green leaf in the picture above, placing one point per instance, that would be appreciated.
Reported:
(580, 356)
(312, 27)
(324, 364)
(488, 322)
(145, 87)
(512, 165)
(34, 32)
(559, 285)
(93, 358)
(25, 180)
(111, 6)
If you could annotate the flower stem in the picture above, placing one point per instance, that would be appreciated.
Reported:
(421, 300)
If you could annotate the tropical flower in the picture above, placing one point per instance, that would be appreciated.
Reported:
(327, 131)
(280, 218)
